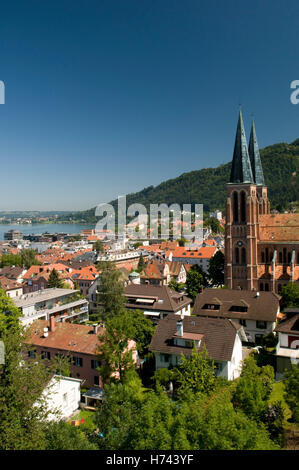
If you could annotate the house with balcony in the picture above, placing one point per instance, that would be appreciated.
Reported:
(222, 338)
(62, 304)
(287, 349)
(257, 312)
(156, 301)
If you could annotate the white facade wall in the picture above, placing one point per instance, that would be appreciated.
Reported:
(14, 292)
(230, 369)
(252, 330)
(63, 395)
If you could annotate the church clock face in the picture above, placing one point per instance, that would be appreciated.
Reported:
(240, 243)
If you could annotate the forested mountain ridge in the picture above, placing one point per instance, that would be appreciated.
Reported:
(208, 185)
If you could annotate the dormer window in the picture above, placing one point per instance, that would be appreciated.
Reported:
(238, 308)
(211, 307)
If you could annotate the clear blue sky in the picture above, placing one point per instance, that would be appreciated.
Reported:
(104, 98)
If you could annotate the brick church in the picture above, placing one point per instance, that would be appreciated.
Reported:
(261, 249)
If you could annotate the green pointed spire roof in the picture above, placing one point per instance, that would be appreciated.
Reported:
(255, 159)
(241, 168)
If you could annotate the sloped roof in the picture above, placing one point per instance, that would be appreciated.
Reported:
(291, 325)
(67, 337)
(170, 298)
(204, 252)
(279, 227)
(263, 307)
(218, 335)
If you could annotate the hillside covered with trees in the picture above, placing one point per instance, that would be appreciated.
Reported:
(208, 185)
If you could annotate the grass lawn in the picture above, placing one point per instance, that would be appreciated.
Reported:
(277, 395)
(88, 419)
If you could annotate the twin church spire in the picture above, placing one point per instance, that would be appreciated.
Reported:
(246, 164)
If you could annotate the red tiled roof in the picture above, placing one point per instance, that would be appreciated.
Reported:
(279, 227)
(205, 252)
(66, 337)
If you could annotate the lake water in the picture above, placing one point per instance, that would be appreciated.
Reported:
(28, 229)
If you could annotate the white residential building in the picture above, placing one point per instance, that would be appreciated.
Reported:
(63, 396)
(54, 302)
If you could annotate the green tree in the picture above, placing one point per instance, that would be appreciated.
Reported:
(22, 406)
(111, 297)
(54, 280)
(142, 330)
(117, 416)
(290, 295)
(291, 395)
(196, 373)
(114, 353)
(216, 269)
(63, 436)
(224, 428)
(195, 281)
(173, 284)
(141, 263)
(132, 419)
(213, 224)
(61, 364)
(98, 247)
(8, 259)
(253, 389)
(28, 257)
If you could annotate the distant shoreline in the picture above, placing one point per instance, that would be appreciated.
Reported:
(47, 223)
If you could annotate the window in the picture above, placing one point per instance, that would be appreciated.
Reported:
(261, 324)
(77, 361)
(238, 308)
(46, 355)
(243, 256)
(242, 322)
(164, 357)
(95, 364)
(258, 339)
(243, 206)
(235, 206)
(32, 353)
(218, 366)
(237, 259)
(65, 401)
(211, 307)
(96, 380)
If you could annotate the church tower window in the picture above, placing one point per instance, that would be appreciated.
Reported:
(235, 206)
(243, 256)
(237, 258)
(243, 206)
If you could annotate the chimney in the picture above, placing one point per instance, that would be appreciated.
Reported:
(95, 328)
(179, 328)
(52, 323)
